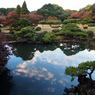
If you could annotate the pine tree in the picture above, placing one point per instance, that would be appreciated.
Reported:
(24, 9)
(18, 9)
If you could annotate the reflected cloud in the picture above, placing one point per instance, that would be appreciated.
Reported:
(52, 89)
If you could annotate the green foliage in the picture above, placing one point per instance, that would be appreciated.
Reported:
(88, 20)
(50, 10)
(49, 38)
(83, 22)
(24, 9)
(40, 36)
(66, 21)
(15, 24)
(18, 9)
(37, 28)
(26, 33)
(55, 26)
(55, 30)
(82, 69)
(25, 22)
(72, 30)
(90, 33)
(50, 22)
(91, 24)
(53, 22)
(5, 11)
(42, 22)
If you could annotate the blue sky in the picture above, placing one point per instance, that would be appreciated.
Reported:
(36, 4)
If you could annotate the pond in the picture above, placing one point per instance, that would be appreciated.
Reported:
(39, 69)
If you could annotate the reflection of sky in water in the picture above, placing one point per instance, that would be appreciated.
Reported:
(44, 73)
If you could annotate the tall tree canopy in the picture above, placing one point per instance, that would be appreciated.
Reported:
(18, 9)
(50, 10)
(24, 9)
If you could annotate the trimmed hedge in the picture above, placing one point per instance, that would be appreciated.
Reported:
(71, 21)
(91, 24)
(50, 22)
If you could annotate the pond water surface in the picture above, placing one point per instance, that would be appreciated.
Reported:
(39, 69)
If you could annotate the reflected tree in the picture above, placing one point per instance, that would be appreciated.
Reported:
(84, 71)
(26, 50)
(72, 48)
(6, 82)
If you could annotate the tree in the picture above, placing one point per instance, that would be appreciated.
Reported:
(24, 22)
(50, 37)
(33, 18)
(11, 17)
(85, 68)
(26, 33)
(24, 9)
(50, 10)
(18, 9)
(51, 18)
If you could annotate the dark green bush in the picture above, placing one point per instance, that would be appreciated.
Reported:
(71, 21)
(42, 22)
(50, 22)
(19, 28)
(25, 22)
(90, 33)
(15, 24)
(37, 28)
(0, 30)
(49, 38)
(40, 36)
(91, 24)
(26, 33)
(55, 26)
(55, 30)
(83, 22)
(72, 30)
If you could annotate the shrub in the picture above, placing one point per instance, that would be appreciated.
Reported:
(71, 21)
(72, 30)
(83, 22)
(15, 24)
(40, 36)
(26, 33)
(50, 22)
(49, 38)
(53, 22)
(55, 30)
(42, 22)
(37, 28)
(91, 24)
(55, 26)
(24, 22)
(0, 30)
(90, 33)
